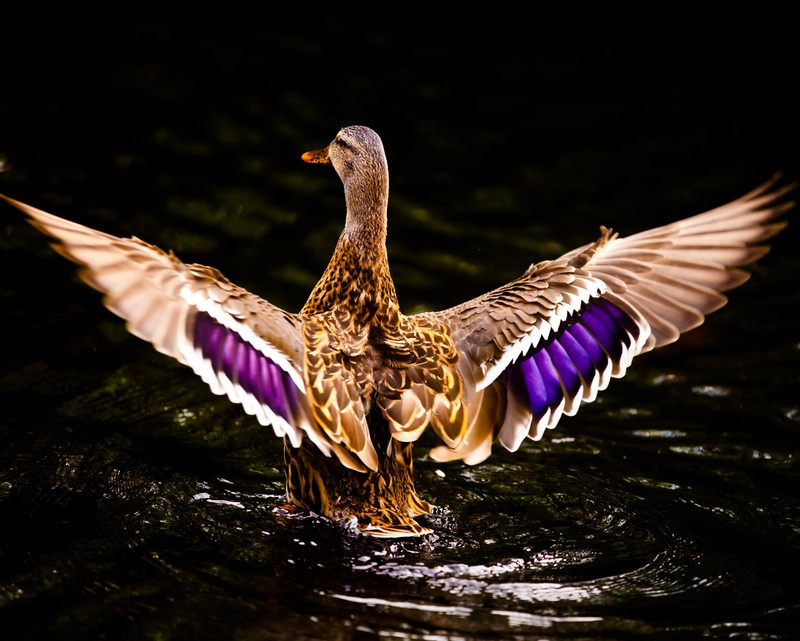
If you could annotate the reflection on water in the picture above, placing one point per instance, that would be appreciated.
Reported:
(589, 549)
(145, 505)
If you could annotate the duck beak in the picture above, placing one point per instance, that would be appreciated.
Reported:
(319, 156)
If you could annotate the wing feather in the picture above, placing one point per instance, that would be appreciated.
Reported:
(552, 339)
(239, 344)
(502, 367)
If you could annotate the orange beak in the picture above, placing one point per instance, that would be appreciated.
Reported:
(319, 156)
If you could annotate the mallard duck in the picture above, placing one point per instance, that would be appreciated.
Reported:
(350, 382)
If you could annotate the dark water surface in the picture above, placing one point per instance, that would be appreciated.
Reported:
(136, 505)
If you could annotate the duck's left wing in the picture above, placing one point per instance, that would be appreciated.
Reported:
(536, 348)
(241, 345)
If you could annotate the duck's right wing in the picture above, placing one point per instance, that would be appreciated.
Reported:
(536, 348)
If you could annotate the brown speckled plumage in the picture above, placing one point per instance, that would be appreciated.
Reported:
(371, 372)
(350, 382)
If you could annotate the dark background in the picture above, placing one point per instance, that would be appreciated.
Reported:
(627, 117)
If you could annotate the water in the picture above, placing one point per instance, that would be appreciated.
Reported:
(134, 504)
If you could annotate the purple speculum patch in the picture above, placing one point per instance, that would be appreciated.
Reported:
(244, 365)
(584, 344)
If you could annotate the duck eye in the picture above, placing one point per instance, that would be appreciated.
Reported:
(345, 145)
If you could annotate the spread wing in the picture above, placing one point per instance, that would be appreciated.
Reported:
(536, 348)
(239, 344)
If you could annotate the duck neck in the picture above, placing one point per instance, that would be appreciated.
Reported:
(366, 221)
(357, 277)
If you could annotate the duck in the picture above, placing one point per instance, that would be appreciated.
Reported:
(350, 383)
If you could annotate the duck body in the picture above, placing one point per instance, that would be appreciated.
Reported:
(369, 369)
(350, 382)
